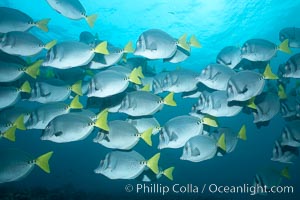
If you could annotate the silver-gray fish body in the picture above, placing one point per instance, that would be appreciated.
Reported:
(10, 71)
(41, 117)
(107, 83)
(291, 134)
(44, 92)
(216, 76)
(292, 67)
(155, 44)
(292, 34)
(231, 138)
(121, 165)
(122, 135)
(69, 54)
(15, 165)
(216, 105)
(267, 106)
(258, 50)
(143, 124)
(68, 128)
(20, 43)
(14, 20)
(199, 148)
(229, 56)
(180, 81)
(141, 103)
(244, 85)
(284, 154)
(179, 56)
(72, 9)
(178, 130)
(8, 96)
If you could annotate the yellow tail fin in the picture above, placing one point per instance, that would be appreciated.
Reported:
(251, 104)
(268, 74)
(242, 133)
(19, 123)
(221, 142)
(25, 87)
(128, 48)
(285, 173)
(146, 88)
(101, 121)
(182, 42)
(134, 77)
(169, 173)
(284, 47)
(76, 88)
(43, 24)
(75, 103)
(10, 134)
(169, 100)
(91, 20)
(146, 136)
(152, 163)
(101, 48)
(33, 70)
(140, 72)
(281, 92)
(194, 42)
(210, 121)
(51, 44)
(43, 161)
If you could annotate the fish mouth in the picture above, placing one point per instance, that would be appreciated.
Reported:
(100, 168)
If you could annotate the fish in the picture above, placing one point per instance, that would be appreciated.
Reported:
(18, 123)
(9, 134)
(72, 75)
(180, 81)
(10, 72)
(134, 62)
(110, 82)
(126, 165)
(292, 34)
(150, 176)
(231, 137)
(202, 147)
(245, 85)
(122, 135)
(229, 56)
(144, 123)
(68, 54)
(288, 106)
(53, 91)
(216, 104)
(115, 55)
(178, 130)
(159, 82)
(267, 107)
(216, 76)
(292, 67)
(11, 95)
(88, 38)
(291, 134)
(41, 116)
(143, 103)
(72, 127)
(182, 54)
(23, 43)
(269, 177)
(157, 44)
(17, 164)
(13, 113)
(15, 20)
(263, 50)
(284, 154)
(73, 9)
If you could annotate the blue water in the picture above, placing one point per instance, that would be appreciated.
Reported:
(216, 23)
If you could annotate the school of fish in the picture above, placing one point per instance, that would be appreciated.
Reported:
(70, 80)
